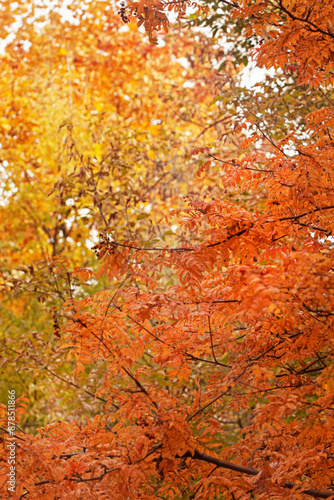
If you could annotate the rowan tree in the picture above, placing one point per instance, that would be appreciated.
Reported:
(217, 352)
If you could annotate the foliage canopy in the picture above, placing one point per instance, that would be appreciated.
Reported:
(197, 344)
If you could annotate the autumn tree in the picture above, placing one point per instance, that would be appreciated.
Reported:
(217, 352)
(91, 138)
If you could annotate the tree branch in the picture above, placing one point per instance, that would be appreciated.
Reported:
(198, 455)
(295, 18)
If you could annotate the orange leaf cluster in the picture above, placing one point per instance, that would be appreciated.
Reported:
(233, 323)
